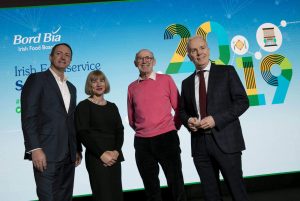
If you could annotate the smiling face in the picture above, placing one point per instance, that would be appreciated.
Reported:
(198, 52)
(98, 86)
(61, 58)
(145, 61)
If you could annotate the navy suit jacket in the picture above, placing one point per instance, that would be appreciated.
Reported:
(226, 101)
(45, 122)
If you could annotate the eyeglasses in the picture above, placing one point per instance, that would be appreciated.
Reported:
(147, 59)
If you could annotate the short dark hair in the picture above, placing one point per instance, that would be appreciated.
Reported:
(59, 44)
(93, 75)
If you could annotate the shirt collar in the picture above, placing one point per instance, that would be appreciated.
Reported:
(152, 77)
(206, 68)
(57, 77)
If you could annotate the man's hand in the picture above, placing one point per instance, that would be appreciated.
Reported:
(39, 160)
(207, 122)
(192, 122)
(78, 159)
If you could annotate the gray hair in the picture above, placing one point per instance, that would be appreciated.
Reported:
(136, 55)
(192, 38)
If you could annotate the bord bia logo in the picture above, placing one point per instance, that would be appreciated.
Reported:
(53, 36)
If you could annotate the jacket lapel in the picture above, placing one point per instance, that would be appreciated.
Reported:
(192, 91)
(72, 98)
(211, 81)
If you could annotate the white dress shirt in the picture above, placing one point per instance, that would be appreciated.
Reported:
(63, 87)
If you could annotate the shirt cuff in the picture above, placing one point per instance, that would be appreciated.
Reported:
(29, 152)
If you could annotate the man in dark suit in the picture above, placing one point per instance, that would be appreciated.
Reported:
(213, 120)
(48, 102)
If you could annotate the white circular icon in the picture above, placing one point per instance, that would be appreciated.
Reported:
(269, 37)
(258, 55)
(239, 45)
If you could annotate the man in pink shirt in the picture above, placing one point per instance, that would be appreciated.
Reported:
(151, 99)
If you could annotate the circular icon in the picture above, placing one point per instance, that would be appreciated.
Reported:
(239, 45)
(269, 37)
(283, 23)
(257, 55)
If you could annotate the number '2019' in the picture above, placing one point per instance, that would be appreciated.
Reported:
(281, 82)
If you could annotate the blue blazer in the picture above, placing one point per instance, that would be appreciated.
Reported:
(45, 122)
(226, 101)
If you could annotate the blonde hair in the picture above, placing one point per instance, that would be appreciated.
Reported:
(92, 76)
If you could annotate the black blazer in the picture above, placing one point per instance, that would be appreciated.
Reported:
(226, 101)
(45, 122)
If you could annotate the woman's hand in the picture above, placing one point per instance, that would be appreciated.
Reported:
(108, 158)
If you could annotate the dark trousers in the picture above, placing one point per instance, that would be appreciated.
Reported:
(164, 150)
(106, 182)
(56, 182)
(209, 160)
